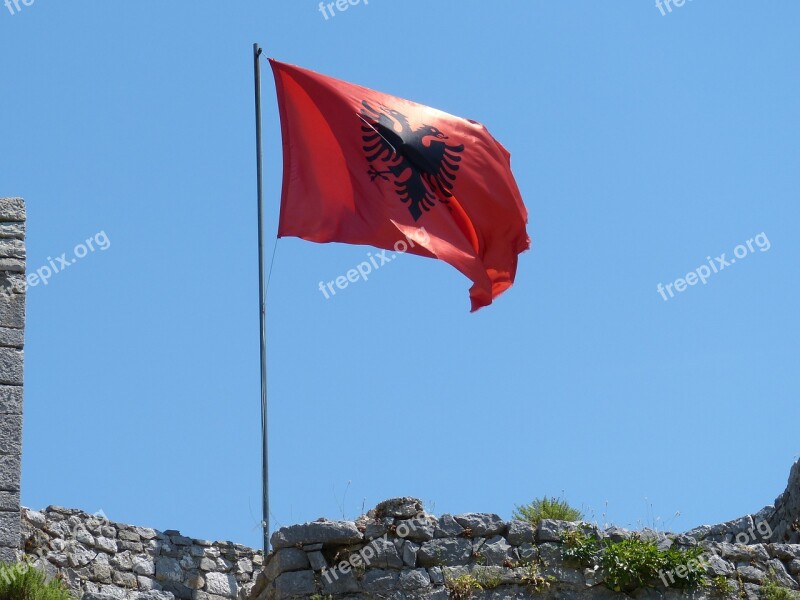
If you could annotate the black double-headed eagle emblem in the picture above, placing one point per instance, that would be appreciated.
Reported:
(420, 161)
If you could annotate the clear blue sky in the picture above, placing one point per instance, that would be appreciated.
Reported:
(642, 144)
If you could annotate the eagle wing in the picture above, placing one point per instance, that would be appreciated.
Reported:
(444, 160)
(381, 140)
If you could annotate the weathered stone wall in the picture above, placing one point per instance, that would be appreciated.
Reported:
(399, 552)
(99, 558)
(12, 325)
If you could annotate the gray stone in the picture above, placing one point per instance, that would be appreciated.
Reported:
(143, 566)
(325, 532)
(448, 527)
(410, 550)
(417, 530)
(11, 230)
(11, 361)
(145, 583)
(14, 265)
(436, 575)
(168, 569)
(12, 310)
(402, 508)
(716, 566)
(10, 433)
(106, 545)
(180, 540)
(12, 338)
(378, 580)
(528, 552)
(377, 528)
(414, 580)
(195, 581)
(312, 547)
(178, 590)
(9, 473)
(339, 583)
(9, 529)
(126, 580)
(751, 574)
(317, 560)
(784, 551)
(9, 501)
(8, 555)
(145, 533)
(221, 584)
(482, 524)
(550, 530)
(615, 534)
(285, 559)
(11, 248)
(520, 532)
(794, 567)
(12, 209)
(783, 578)
(385, 556)
(445, 551)
(11, 398)
(498, 552)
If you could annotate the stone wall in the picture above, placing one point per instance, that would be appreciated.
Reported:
(98, 558)
(12, 325)
(399, 552)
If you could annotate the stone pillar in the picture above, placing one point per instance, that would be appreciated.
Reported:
(12, 328)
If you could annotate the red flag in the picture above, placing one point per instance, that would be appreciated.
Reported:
(363, 167)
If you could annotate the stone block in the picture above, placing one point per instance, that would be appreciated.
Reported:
(446, 551)
(12, 310)
(324, 532)
(9, 529)
(12, 209)
(12, 230)
(11, 361)
(520, 532)
(482, 524)
(285, 560)
(9, 501)
(9, 473)
(10, 399)
(295, 583)
(11, 338)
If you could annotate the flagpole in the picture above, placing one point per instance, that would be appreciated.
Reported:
(262, 294)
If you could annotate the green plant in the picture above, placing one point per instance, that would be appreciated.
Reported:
(461, 587)
(771, 589)
(579, 547)
(23, 582)
(321, 597)
(636, 563)
(487, 577)
(721, 586)
(533, 578)
(687, 566)
(547, 508)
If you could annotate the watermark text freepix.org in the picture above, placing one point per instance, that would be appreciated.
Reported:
(703, 563)
(364, 557)
(375, 262)
(714, 266)
(14, 7)
(329, 9)
(665, 6)
(42, 275)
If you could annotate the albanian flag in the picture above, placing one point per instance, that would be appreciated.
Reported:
(363, 167)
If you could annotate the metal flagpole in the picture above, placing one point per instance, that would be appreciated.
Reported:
(262, 293)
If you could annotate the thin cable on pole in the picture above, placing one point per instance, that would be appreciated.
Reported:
(262, 293)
